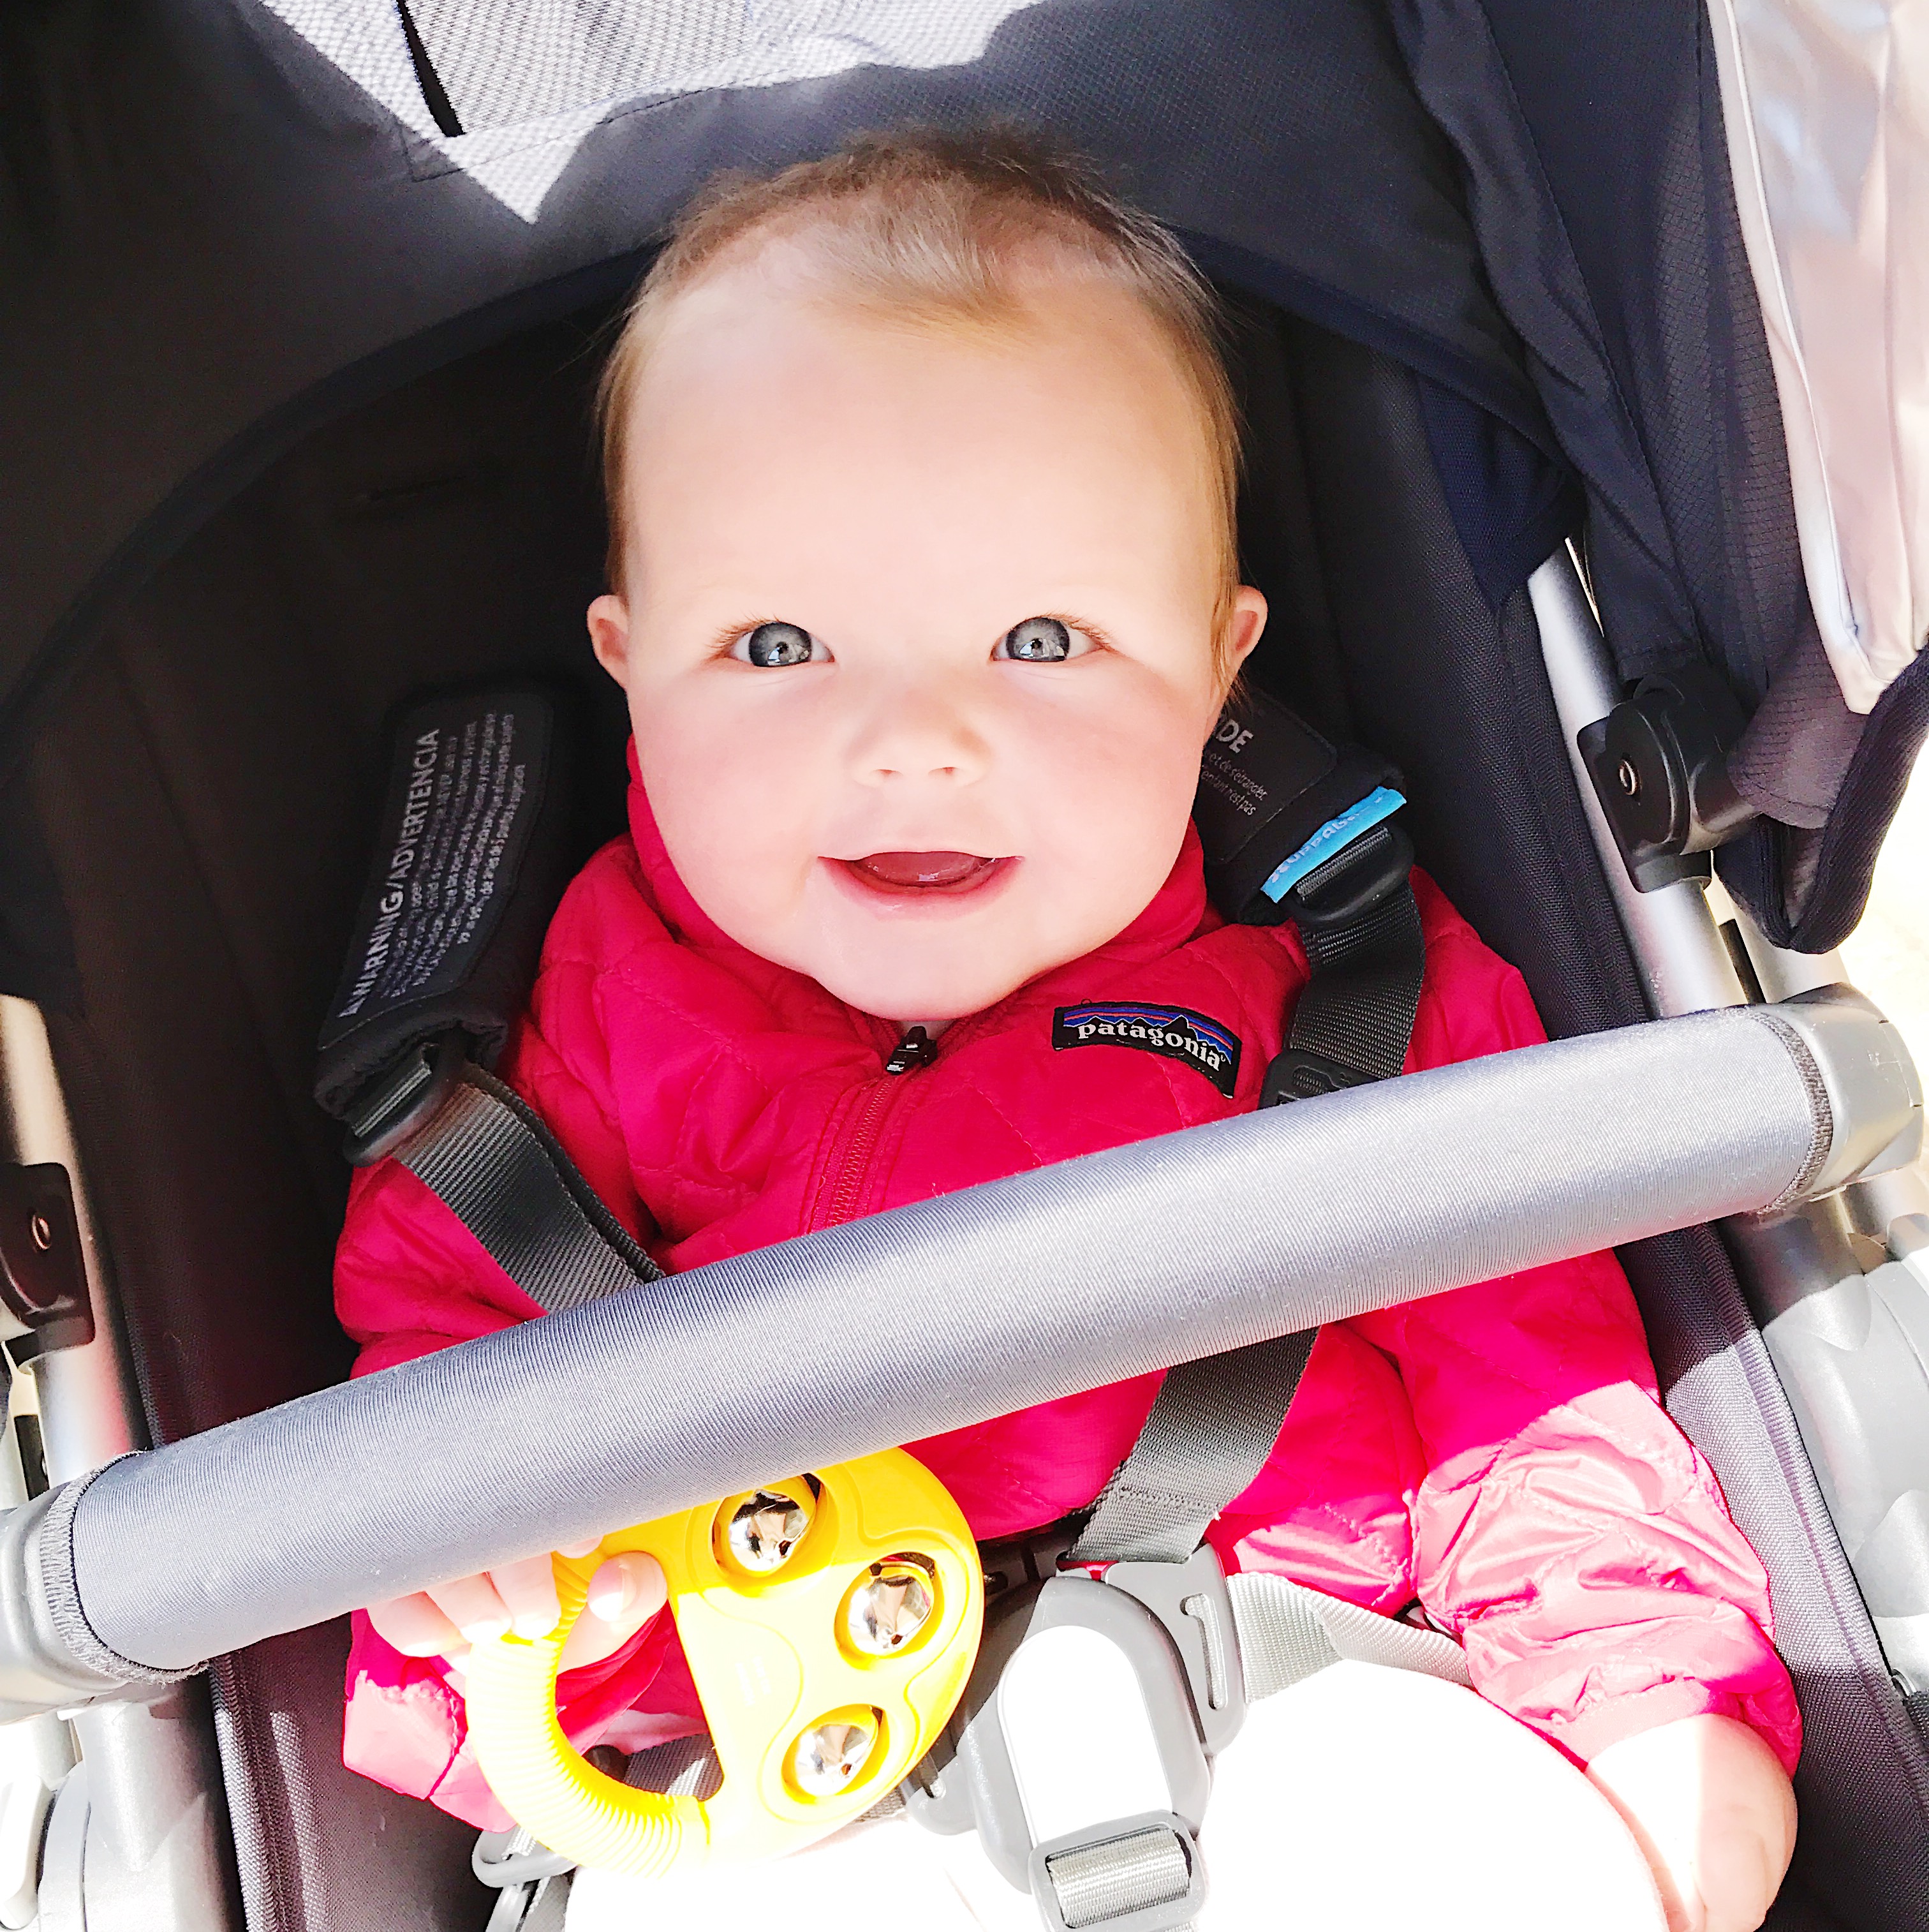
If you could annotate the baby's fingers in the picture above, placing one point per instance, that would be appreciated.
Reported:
(528, 1590)
(624, 1594)
(628, 1591)
(471, 1604)
(413, 1626)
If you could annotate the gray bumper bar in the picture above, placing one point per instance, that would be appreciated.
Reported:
(935, 1317)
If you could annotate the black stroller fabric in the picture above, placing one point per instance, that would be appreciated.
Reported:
(297, 422)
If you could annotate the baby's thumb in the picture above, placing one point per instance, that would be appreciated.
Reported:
(628, 1590)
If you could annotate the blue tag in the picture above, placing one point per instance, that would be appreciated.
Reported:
(1382, 802)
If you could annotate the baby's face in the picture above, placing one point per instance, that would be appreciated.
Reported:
(917, 630)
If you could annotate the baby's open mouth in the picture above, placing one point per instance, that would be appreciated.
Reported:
(922, 872)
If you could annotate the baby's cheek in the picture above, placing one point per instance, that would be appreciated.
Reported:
(1120, 798)
(734, 806)
(1081, 898)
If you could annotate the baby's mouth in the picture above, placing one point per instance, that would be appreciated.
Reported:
(923, 872)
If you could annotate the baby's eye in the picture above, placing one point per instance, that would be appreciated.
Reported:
(775, 646)
(1040, 640)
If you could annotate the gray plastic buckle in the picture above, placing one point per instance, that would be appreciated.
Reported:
(1191, 1600)
(515, 1857)
(976, 1785)
(1091, 1878)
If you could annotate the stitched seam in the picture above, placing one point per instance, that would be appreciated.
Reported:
(689, 1021)
(965, 1079)
(1821, 1111)
(1250, 1030)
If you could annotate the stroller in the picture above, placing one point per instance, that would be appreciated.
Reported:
(1580, 486)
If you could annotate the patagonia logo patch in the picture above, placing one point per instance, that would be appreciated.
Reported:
(1175, 1033)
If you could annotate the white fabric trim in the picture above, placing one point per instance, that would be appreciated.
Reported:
(530, 79)
(1827, 108)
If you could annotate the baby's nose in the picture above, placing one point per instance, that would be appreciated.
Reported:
(909, 769)
(921, 738)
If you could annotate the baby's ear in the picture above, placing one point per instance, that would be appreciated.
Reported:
(609, 635)
(1244, 622)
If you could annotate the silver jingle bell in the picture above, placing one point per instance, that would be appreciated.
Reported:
(827, 1757)
(887, 1608)
(765, 1528)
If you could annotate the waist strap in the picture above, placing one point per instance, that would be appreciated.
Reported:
(1287, 1632)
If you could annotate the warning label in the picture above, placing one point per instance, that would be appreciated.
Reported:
(469, 782)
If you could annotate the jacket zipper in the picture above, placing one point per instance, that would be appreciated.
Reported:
(915, 1049)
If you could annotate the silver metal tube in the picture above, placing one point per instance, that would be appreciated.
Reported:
(36, 1753)
(90, 1412)
(1683, 962)
(148, 1842)
(1780, 974)
(157, 1823)
(1843, 1340)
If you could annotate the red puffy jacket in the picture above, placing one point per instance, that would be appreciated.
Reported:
(1498, 1452)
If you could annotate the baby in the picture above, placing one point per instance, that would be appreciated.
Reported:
(921, 466)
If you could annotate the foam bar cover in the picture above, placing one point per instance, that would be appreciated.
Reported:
(931, 1318)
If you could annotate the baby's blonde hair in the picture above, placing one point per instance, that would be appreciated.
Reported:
(932, 226)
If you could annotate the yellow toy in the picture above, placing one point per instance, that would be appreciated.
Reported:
(830, 1622)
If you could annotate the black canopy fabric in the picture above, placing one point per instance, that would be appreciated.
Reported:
(211, 238)
(1600, 185)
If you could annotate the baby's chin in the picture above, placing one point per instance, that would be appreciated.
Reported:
(930, 975)
(928, 963)
(926, 990)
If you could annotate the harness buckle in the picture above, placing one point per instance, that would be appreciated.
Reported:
(1354, 883)
(1194, 1608)
(1082, 1751)
(405, 1098)
(1142, 1874)
(1298, 1073)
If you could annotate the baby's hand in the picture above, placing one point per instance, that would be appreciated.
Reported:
(624, 1594)
(1715, 1813)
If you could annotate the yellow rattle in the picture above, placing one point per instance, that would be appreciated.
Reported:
(831, 1622)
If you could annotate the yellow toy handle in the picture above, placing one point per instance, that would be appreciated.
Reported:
(830, 1622)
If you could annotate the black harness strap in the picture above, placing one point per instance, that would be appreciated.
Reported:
(1208, 1434)
(1361, 928)
(484, 1152)
(1358, 1010)
(473, 853)
(1215, 1421)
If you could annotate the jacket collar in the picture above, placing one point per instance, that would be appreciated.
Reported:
(1178, 911)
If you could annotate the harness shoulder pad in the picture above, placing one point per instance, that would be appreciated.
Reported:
(472, 854)
(1276, 801)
